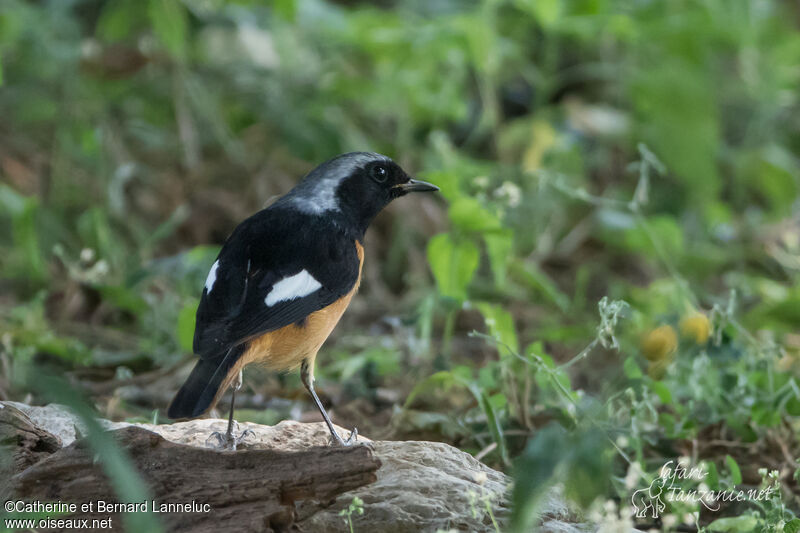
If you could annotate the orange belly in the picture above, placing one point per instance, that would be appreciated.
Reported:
(286, 348)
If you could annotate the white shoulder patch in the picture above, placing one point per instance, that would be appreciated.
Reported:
(291, 288)
(212, 277)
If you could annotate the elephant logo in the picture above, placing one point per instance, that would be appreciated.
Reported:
(649, 499)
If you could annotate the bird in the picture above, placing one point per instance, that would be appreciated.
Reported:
(283, 279)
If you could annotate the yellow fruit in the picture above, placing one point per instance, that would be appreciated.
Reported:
(696, 327)
(659, 343)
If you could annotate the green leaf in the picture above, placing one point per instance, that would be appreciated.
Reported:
(119, 19)
(24, 213)
(447, 182)
(123, 298)
(549, 377)
(793, 406)
(287, 9)
(579, 458)
(736, 524)
(499, 247)
(546, 12)
(167, 228)
(534, 472)
(453, 264)
(467, 214)
(667, 421)
(733, 467)
(537, 280)
(125, 480)
(186, 320)
(168, 18)
(662, 391)
(631, 369)
(679, 118)
(439, 380)
(765, 415)
(589, 466)
(664, 229)
(792, 526)
(501, 326)
(495, 428)
(712, 479)
(771, 173)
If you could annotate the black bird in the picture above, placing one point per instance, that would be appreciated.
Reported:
(283, 279)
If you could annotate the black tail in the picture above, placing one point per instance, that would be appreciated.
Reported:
(202, 385)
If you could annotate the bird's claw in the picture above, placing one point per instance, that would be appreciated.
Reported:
(227, 441)
(351, 440)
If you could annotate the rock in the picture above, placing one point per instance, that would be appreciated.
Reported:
(54, 418)
(249, 490)
(27, 442)
(420, 486)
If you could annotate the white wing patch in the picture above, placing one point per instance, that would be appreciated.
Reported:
(291, 288)
(212, 277)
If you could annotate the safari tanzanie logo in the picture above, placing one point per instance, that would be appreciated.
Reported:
(678, 482)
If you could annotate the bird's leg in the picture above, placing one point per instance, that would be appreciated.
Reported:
(307, 377)
(234, 387)
(228, 440)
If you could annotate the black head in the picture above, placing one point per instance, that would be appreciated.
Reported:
(355, 187)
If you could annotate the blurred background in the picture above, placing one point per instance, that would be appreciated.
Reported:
(609, 279)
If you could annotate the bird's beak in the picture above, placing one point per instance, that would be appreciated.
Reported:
(417, 186)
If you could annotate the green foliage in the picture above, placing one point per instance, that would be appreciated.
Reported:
(168, 19)
(186, 319)
(26, 261)
(356, 507)
(453, 264)
(607, 170)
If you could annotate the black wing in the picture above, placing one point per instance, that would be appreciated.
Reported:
(265, 249)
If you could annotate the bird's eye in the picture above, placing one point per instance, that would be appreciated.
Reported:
(380, 174)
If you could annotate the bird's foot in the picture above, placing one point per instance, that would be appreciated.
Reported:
(227, 440)
(352, 439)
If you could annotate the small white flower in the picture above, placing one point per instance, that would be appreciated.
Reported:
(101, 268)
(87, 255)
(669, 521)
(509, 192)
(481, 181)
(633, 475)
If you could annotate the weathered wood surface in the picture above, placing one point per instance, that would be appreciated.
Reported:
(25, 443)
(247, 490)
